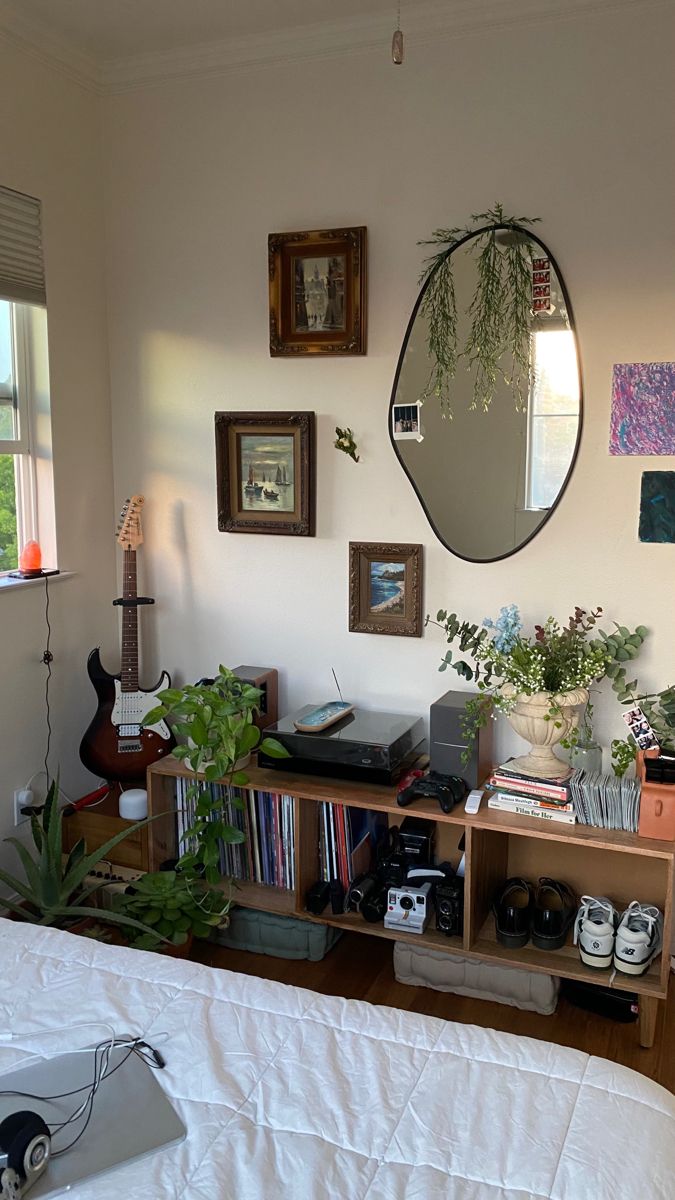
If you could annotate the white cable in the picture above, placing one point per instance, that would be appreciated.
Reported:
(61, 1029)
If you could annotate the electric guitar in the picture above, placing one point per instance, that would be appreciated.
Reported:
(116, 746)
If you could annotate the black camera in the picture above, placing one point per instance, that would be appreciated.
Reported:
(359, 890)
(449, 899)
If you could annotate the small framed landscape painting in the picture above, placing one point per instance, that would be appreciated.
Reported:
(385, 588)
(317, 283)
(265, 472)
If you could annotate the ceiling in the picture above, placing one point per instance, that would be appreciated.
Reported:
(111, 29)
(117, 45)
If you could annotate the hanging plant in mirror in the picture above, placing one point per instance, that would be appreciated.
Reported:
(491, 344)
(497, 342)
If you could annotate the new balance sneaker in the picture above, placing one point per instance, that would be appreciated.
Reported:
(638, 938)
(595, 931)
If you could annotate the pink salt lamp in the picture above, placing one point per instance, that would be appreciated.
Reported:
(30, 561)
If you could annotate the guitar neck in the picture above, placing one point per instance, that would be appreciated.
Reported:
(129, 671)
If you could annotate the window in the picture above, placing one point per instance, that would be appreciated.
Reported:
(26, 486)
(553, 415)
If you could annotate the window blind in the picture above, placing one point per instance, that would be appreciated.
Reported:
(22, 275)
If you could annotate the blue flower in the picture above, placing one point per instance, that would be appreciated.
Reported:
(506, 628)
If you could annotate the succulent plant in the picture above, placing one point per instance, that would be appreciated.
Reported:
(173, 905)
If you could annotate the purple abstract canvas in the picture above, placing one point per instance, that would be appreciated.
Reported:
(643, 409)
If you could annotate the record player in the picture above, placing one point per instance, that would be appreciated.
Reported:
(372, 746)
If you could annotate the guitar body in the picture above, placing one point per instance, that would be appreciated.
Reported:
(115, 747)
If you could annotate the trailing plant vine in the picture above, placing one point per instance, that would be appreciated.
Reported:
(500, 316)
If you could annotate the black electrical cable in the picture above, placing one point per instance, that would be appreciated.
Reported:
(48, 659)
(139, 1048)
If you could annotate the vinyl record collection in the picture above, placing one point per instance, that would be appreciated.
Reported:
(347, 839)
(267, 819)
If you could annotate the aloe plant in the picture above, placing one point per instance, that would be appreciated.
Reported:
(53, 891)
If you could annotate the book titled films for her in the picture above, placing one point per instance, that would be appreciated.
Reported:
(527, 807)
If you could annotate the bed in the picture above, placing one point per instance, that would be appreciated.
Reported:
(289, 1094)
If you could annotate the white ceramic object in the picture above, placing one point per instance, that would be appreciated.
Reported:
(528, 718)
(134, 804)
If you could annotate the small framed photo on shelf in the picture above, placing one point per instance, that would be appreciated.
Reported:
(318, 297)
(265, 472)
(406, 422)
(385, 588)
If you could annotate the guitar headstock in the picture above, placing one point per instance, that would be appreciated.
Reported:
(129, 532)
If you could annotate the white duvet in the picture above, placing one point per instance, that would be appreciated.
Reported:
(288, 1095)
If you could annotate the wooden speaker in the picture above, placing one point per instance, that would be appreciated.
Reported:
(267, 679)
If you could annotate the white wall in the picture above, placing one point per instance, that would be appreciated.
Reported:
(50, 133)
(568, 120)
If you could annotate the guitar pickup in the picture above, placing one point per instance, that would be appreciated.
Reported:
(129, 747)
(128, 731)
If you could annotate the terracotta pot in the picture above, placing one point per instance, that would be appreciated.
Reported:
(177, 951)
(528, 718)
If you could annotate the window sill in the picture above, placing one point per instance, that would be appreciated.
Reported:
(7, 584)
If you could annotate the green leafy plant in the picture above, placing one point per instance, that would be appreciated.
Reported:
(659, 709)
(173, 905)
(215, 718)
(505, 664)
(500, 314)
(53, 891)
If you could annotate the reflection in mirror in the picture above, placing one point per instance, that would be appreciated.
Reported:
(488, 479)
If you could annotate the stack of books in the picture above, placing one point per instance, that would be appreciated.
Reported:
(548, 799)
(268, 821)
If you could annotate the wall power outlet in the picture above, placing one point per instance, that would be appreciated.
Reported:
(23, 798)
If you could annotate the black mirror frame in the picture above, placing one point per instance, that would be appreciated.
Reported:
(570, 316)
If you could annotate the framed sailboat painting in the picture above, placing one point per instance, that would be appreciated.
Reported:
(265, 472)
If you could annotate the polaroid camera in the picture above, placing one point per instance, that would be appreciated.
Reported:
(25, 1150)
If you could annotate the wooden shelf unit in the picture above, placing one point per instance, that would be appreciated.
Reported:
(497, 845)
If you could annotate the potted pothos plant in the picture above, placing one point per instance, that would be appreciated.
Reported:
(215, 719)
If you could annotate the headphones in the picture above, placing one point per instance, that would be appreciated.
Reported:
(25, 1150)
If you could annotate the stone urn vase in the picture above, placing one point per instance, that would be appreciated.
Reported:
(528, 718)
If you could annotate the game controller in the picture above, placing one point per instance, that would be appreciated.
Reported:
(447, 789)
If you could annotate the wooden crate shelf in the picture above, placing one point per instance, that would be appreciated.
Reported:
(596, 861)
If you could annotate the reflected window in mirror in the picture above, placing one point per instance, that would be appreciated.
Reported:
(553, 415)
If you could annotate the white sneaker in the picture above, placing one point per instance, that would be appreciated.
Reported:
(638, 938)
(595, 931)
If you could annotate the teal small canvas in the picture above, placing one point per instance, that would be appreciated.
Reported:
(657, 507)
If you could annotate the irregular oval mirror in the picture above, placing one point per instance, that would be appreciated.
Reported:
(487, 428)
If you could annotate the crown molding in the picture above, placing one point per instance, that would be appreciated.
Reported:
(38, 40)
(429, 22)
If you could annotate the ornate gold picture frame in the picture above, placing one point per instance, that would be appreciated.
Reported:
(265, 472)
(385, 588)
(318, 297)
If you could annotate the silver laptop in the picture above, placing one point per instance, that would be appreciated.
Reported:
(131, 1116)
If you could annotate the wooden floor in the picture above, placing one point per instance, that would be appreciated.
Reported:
(360, 968)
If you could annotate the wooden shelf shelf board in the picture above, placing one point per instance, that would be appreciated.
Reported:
(565, 963)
